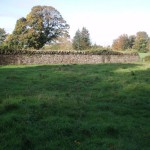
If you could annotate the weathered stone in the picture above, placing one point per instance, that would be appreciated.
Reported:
(66, 59)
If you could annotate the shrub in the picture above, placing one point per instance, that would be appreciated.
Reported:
(44, 52)
(7, 51)
(147, 59)
(4, 49)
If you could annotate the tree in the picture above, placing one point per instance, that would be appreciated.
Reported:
(2, 35)
(148, 45)
(77, 41)
(121, 43)
(141, 41)
(81, 39)
(42, 25)
(85, 38)
(131, 41)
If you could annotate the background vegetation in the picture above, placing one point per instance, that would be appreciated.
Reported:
(140, 42)
(81, 40)
(41, 26)
(45, 28)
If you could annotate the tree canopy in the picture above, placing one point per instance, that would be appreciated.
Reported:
(42, 25)
(139, 42)
(121, 43)
(81, 39)
(2, 35)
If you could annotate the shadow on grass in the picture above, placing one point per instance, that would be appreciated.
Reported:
(75, 107)
(33, 80)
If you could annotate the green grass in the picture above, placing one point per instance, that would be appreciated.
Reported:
(77, 107)
(143, 55)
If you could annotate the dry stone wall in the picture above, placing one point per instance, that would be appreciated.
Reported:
(19, 59)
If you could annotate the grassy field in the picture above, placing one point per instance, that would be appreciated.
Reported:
(143, 55)
(77, 107)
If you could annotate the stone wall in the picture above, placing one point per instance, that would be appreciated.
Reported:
(66, 59)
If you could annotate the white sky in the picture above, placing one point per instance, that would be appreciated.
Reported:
(105, 19)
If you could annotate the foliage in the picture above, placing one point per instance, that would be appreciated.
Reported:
(121, 43)
(81, 40)
(141, 41)
(4, 49)
(85, 38)
(104, 106)
(42, 25)
(8, 51)
(2, 35)
(97, 47)
(147, 59)
(77, 41)
(59, 44)
(148, 45)
(131, 41)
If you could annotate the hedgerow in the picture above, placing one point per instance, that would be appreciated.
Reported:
(4, 51)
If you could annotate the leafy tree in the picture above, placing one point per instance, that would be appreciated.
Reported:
(121, 43)
(42, 25)
(148, 45)
(141, 41)
(81, 39)
(131, 41)
(85, 38)
(77, 41)
(2, 35)
(59, 44)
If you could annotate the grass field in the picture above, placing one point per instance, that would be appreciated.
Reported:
(143, 55)
(77, 107)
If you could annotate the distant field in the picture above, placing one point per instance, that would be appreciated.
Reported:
(143, 55)
(77, 107)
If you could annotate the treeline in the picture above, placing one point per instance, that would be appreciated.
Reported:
(139, 42)
(45, 28)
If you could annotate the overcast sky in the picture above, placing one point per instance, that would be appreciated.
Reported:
(105, 19)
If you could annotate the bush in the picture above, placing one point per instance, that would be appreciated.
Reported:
(4, 49)
(7, 51)
(147, 59)
(58, 46)
(44, 52)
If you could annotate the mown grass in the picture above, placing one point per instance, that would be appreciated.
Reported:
(83, 107)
